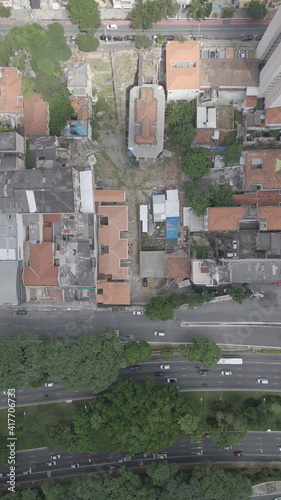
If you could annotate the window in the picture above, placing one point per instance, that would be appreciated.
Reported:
(257, 163)
(183, 64)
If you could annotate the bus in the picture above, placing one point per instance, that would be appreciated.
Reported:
(230, 361)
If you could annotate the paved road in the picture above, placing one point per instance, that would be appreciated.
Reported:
(244, 377)
(259, 447)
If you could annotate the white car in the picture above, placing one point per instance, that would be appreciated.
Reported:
(50, 464)
(262, 380)
(54, 457)
(112, 27)
(159, 334)
(234, 245)
(165, 367)
(172, 380)
(161, 456)
(279, 448)
(226, 372)
(74, 466)
(26, 472)
(49, 384)
(137, 313)
(227, 448)
(123, 460)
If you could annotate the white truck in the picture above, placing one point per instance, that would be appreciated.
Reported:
(230, 361)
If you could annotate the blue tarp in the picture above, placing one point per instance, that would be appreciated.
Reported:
(77, 129)
(172, 228)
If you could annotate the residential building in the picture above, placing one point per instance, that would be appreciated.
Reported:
(113, 286)
(47, 152)
(12, 151)
(11, 98)
(243, 218)
(177, 267)
(79, 79)
(146, 121)
(261, 198)
(36, 116)
(182, 70)
(54, 190)
(262, 169)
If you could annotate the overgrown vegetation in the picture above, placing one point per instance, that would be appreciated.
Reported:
(213, 196)
(239, 294)
(256, 9)
(145, 13)
(181, 131)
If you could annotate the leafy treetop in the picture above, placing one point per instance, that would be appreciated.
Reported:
(202, 350)
(85, 13)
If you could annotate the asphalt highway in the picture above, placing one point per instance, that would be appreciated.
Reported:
(259, 447)
(244, 377)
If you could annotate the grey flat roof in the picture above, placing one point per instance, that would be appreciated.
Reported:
(9, 286)
(255, 270)
(152, 264)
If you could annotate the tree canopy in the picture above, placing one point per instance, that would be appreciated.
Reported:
(202, 350)
(181, 120)
(256, 9)
(139, 417)
(200, 9)
(196, 163)
(137, 351)
(60, 111)
(143, 42)
(161, 307)
(87, 43)
(194, 299)
(89, 362)
(213, 196)
(145, 13)
(85, 13)
(239, 294)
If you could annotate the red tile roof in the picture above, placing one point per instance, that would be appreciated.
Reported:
(263, 198)
(41, 271)
(273, 116)
(269, 176)
(114, 292)
(227, 218)
(36, 113)
(81, 107)
(11, 98)
(251, 101)
(183, 66)
(177, 267)
(109, 196)
(146, 117)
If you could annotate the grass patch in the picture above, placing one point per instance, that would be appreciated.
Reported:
(99, 65)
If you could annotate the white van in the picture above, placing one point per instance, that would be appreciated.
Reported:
(159, 334)
(262, 380)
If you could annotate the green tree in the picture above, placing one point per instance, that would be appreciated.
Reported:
(219, 197)
(85, 13)
(143, 42)
(197, 163)
(161, 473)
(194, 299)
(166, 354)
(239, 294)
(60, 111)
(30, 161)
(47, 86)
(87, 43)
(181, 121)
(161, 307)
(232, 155)
(202, 350)
(53, 491)
(137, 351)
(5, 11)
(228, 12)
(179, 37)
(256, 10)
(200, 9)
(139, 417)
(89, 363)
(144, 14)
(189, 423)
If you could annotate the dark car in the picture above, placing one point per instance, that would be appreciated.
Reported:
(134, 367)
(159, 374)
(144, 282)
(238, 453)
(169, 37)
(203, 372)
(105, 38)
(129, 38)
(246, 38)
(21, 311)
(258, 37)
(118, 38)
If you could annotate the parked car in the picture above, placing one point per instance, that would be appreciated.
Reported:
(169, 37)
(238, 453)
(72, 38)
(129, 38)
(153, 37)
(26, 472)
(258, 37)
(123, 460)
(51, 464)
(21, 312)
(242, 55)
(134, 367)
(262, 380)
(279, 448)
(203, 372)
(74, 466)
(49, 384)
(159, 334)
(54, 457)
(226, 372)
(118, 38)
(227, 448)
(277, 283)
(111, 27)
(161, 456)
(105, 38)
(158, 374)
(172, 380)
(246, 38)
(137, 313)
(165, 367)
(144, 282)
